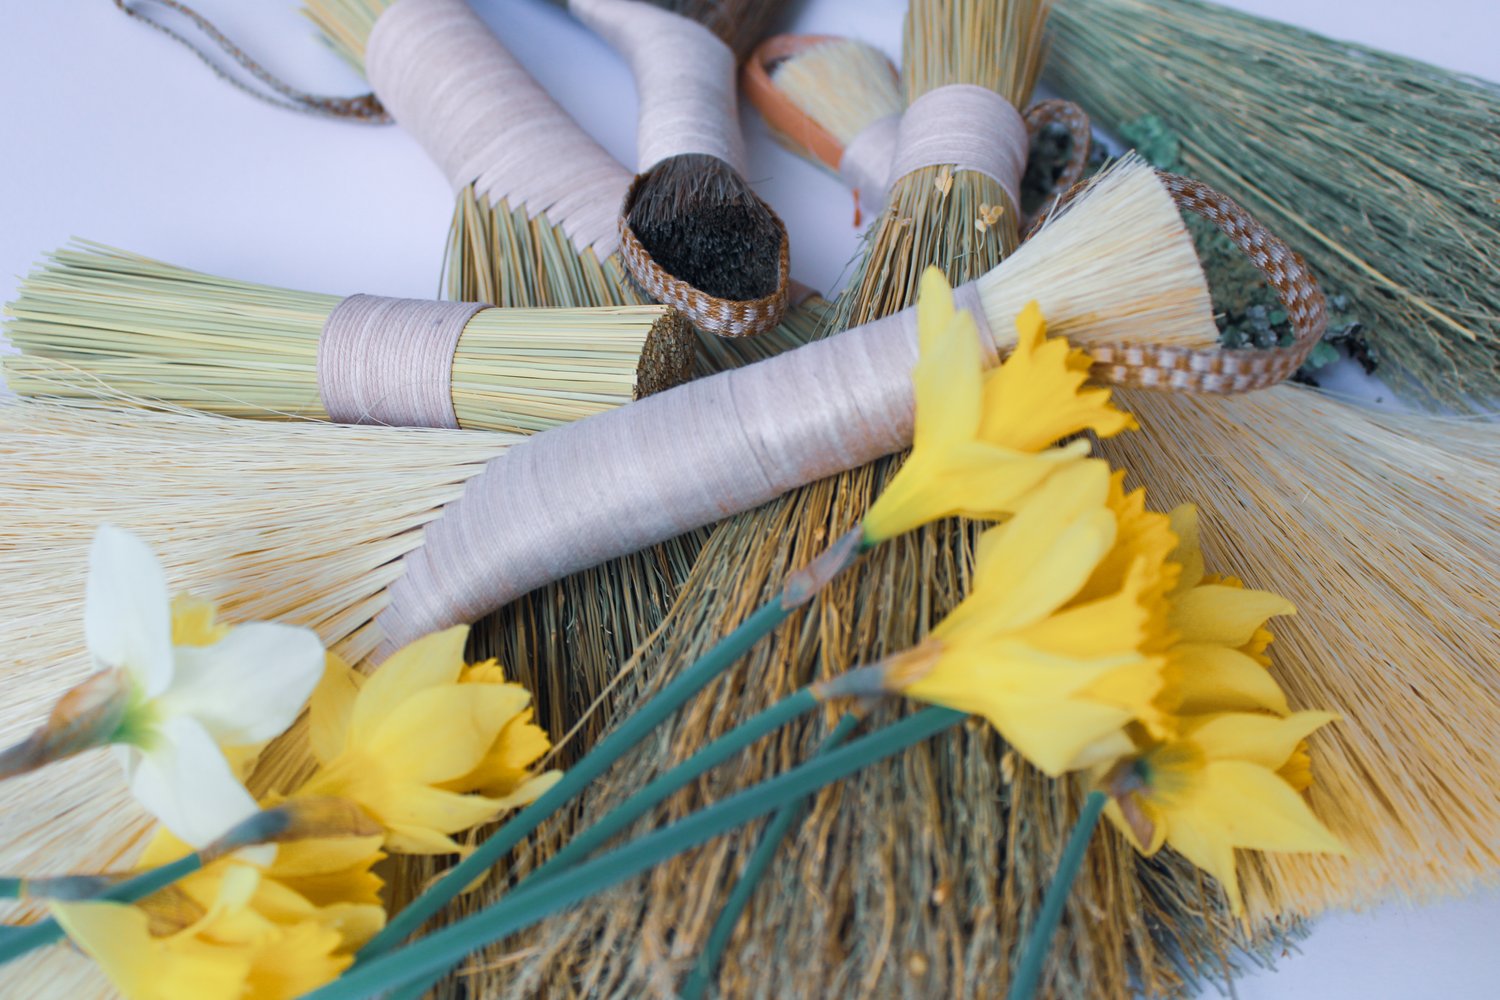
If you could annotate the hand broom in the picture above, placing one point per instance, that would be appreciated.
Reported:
(916, 877)
(535, 225)
(1376, 521)
(1381, 167)
(373, 536)
(837, 102)
(91, 315)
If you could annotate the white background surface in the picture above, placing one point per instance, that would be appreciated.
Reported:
(113, 133)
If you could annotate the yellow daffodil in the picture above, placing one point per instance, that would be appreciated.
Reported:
(227, 947)
(981, 439)
(1215, 788)
(1217, 662)
(329, 880)
(424, 752)
(1054, 658)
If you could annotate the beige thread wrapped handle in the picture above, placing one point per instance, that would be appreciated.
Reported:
(1217, 369)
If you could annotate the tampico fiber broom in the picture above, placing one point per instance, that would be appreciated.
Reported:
(1344, 499)
(954, 838)
(94, 316)
(1383, 169)
(375, 536)
(837, 102)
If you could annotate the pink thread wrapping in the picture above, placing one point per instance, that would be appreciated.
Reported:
(684, 80)
(447, 80)
(972, 128)
(390, 361)
(583, 493)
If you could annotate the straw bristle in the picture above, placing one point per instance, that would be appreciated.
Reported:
(298, 522)
(346, 25)
(1380, 169)
(703, 224)
(844, 85)
(96, 316)
(1383, 530)
(956, 837)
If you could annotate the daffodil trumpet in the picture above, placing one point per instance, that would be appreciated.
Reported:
(296, 820)
(523, 908)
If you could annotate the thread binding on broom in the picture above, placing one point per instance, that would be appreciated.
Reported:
(390, 361)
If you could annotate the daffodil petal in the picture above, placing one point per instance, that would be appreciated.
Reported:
(470, 717)
(117, 937)
(1259, 810)
(414, 805)
(1264, 740)
(297, 960)
(127, 610)
(331, 707)
(250, 686)
(430, 661)
(1189, 553)
(1207, 844)
(184, 781)
(946, 384)
(1207, 678)
(1224, 614)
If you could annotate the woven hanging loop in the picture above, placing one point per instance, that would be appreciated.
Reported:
(1071, 117)
(724, 317)
(1219, 369)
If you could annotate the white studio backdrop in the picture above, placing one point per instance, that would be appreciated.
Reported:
(114, 133)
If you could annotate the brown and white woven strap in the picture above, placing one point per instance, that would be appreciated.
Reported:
(724, 317)
(1223, 370)
(390, 361)
(1071, 117)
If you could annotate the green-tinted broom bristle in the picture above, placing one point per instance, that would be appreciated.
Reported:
(1382, 170)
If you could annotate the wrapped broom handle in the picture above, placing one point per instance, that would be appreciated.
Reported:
(578, 495)
(684, 80)
(1222, 370)
(446, 79)
(970, 127)
(685, 88)
(390, 361)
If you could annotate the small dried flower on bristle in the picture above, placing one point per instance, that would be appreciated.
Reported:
(1008, 766)
(917, 964)
(943, 181)
(988, 215)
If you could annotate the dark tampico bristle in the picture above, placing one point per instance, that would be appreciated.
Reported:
(703, 224)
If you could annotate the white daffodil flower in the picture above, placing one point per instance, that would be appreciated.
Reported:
(188, 703)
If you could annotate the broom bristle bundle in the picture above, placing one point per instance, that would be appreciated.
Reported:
(842, 84)
(1379, 168)
(93, 315)
(301, 522)
(702, 224)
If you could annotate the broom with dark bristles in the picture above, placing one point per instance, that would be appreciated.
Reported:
(374, 536)
(93, 316)
(956, 839)
(1383, 169)
(694, 234)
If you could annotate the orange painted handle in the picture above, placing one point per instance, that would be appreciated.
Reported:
(776, 108)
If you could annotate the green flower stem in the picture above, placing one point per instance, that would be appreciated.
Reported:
(1039, 943)
(44, 932)
(777, 827)
(643, 801)
(444, 948)
(654, 793)
(611, 748)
